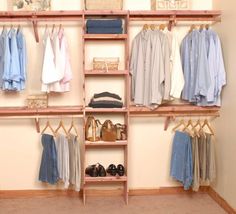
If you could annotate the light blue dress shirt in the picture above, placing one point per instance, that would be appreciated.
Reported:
(3, 38)
(21, 46)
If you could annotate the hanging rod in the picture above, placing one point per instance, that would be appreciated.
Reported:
(41, 116)
(37, 117)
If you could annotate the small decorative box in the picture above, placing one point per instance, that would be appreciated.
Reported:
(37, 101)
(169, 4)
(103, 4)
(105, 63)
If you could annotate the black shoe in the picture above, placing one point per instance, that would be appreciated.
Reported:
(111, 170)
(92, 170)
(120, 170)
(101, 171)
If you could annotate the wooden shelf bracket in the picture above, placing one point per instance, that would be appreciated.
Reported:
(35, 26)
(36, 120)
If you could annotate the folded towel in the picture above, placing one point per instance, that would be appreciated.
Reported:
(102, 30)
(104, 23)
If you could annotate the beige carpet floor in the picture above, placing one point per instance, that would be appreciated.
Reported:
(161, 204)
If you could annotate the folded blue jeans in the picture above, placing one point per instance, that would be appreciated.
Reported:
(181, 159)
(103, 30)
(114, 23)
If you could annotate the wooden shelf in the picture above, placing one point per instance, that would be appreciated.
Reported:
(176, 14)
(105, 143)
(105, 36)
(25, 111)
(89, 179)
(105, 73)
(177, 110)
(105, 110)
(106, 12)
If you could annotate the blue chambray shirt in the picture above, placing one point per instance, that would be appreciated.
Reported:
(2, 54)
(11, 74)
(189, 56)
(21, 45)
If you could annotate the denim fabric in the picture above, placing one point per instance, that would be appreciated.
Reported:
(181, 159)
(104, 30)
(112, 23)
(48, 168)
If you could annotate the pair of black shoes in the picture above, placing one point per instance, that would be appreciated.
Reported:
(113, 170)
(96, 170)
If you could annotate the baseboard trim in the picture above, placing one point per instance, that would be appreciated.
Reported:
(219, 200)
(16, 194)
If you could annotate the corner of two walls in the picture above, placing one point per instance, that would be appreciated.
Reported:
(225, 125)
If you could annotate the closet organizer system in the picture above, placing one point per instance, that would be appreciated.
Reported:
(168, 111)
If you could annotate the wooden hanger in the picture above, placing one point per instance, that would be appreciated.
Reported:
(162, 27)
(48, 125)
(201, 27)
(152, 27)
(206, 123)
(145, 27)
(200, 131)
(61, 125)
(72, 126)
(207, 26)
(192, 128)
(192, 27)
(180, 123)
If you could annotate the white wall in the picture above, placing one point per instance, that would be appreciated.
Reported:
(225, 125)
(20, 147)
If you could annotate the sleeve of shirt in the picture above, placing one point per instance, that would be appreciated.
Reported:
(203, 76)
(177, 76)
(132, 66)
(166, 58)
(221, 75)
(212, 69)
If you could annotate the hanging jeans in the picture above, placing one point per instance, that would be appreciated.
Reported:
(48, 168)
(181, 159)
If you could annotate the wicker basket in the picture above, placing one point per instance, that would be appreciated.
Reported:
(37, 101)
(110, 63)
(103, 4)
(169, 4)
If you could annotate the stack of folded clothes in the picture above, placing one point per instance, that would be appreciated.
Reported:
(106, 100)
(104, 26)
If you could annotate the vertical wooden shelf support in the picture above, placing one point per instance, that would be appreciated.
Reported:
(36, 120)
(167, 123)
(35, 26)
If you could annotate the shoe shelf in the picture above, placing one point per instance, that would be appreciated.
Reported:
(105, 73)
(122, 112)
(106, 143)
(89, 179)
(105, 36)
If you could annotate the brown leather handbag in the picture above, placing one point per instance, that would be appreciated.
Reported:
(108, 131)
(121, 133)
(92, 129)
